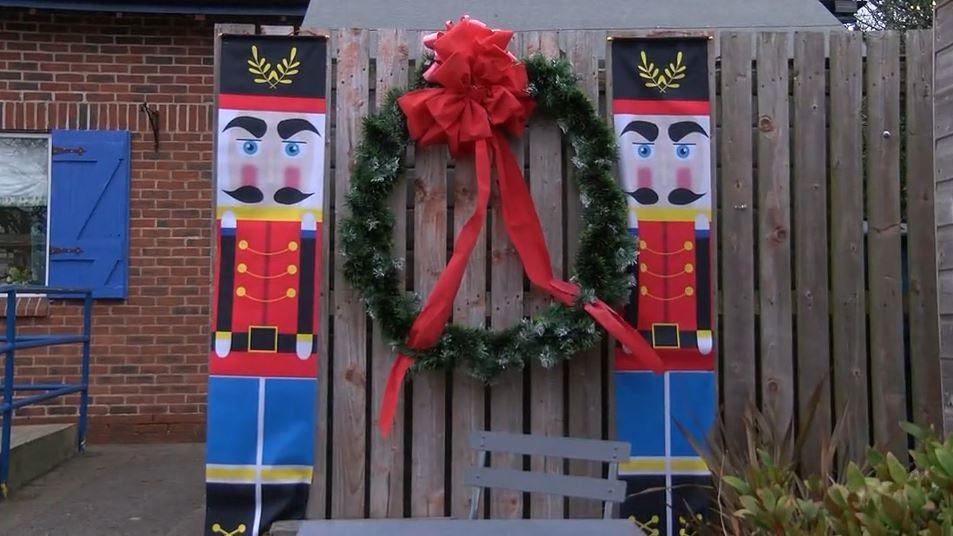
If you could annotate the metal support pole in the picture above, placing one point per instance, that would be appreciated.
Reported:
(84, 397)
(8, 393)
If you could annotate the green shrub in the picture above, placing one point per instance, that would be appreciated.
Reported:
(760, 491)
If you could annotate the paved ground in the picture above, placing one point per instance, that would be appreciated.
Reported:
(113, 490)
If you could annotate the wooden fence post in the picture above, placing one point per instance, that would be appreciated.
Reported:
(810, 234)
(737, 231)
(350, 331)
(849, 327)
(546, 180)
(774, 229)
(387, 455)
(921, 233)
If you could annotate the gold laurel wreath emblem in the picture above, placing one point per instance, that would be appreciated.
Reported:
(668, 78)
(273, 75)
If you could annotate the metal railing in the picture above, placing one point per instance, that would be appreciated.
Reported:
(10, 343)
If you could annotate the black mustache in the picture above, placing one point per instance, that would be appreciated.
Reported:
(291, 196)
(683, 196)
(252, 194)
(246, 194)
(678, 196)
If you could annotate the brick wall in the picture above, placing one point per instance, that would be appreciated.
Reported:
(93, 71)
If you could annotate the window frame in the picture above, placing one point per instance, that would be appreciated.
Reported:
(48, 136)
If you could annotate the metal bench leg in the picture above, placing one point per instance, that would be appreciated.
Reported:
(477, 491)
(610, 505)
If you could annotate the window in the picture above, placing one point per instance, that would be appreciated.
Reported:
(24, 197)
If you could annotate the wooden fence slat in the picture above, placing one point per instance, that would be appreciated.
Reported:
(848, 307)
(350, 366)
(774, 233)
(469, 308)
(506, 285)
(317, 500)
(584, 414)
(429, 388)
(810, 234)
(737, 230)
(888, 388)
(921, 233)
(545, 178)
(428, 442)
(386, 478)
(610, 431)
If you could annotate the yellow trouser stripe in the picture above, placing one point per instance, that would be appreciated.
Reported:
(657, 465)
(247, 473)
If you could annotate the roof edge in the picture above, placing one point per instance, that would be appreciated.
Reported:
(196, 8)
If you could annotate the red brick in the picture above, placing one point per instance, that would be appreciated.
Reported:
(149, 353)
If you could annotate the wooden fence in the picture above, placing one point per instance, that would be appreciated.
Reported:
(824, 175)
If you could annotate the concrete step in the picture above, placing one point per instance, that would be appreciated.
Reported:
(36, 449)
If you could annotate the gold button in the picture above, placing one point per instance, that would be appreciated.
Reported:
(688, 246)
(292, 269)
(291, 293)
(240, 291)
(642, 244)
(689, 268)
(644, 290)
(292, 246)
(242, 268)
(689, 291)
(644, 267)
(243, 244)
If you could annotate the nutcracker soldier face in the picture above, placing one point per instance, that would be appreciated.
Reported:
(661, 117)
(665, 162)
(270, 159)
(263, 351)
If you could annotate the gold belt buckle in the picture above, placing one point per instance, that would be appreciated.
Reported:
(263, 339)
(666, 336)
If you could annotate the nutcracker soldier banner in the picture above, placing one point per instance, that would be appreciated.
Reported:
(269, 180)
(661, 116)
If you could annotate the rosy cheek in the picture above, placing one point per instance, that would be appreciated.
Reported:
(293, 177)
(644, 177)
(683, 178)
(249, 175)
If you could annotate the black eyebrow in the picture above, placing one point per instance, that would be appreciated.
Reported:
(256, 127)
(648, 130)
(679, 130)
(290, 127)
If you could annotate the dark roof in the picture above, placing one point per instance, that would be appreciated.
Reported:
(205, 7)
(575, 14)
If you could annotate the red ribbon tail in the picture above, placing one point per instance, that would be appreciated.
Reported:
(391, 391)
(616, 326)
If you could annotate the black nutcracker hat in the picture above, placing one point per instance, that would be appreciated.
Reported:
(666, 76)
(272, 73)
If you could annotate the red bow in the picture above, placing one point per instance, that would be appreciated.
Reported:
(482, 97)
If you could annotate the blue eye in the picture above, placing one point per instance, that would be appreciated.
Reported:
(643, 150)
(292, 149)
(250, 147)
(682, 151)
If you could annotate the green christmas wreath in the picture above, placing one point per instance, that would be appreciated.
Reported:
(601, 266)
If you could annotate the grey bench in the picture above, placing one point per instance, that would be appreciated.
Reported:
(610, 491)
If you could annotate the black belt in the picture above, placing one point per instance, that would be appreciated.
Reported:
(670, 337)
(287, 343)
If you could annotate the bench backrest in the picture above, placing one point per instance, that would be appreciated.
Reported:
(610, 490)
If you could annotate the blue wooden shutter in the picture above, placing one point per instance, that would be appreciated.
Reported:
(89, 211)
